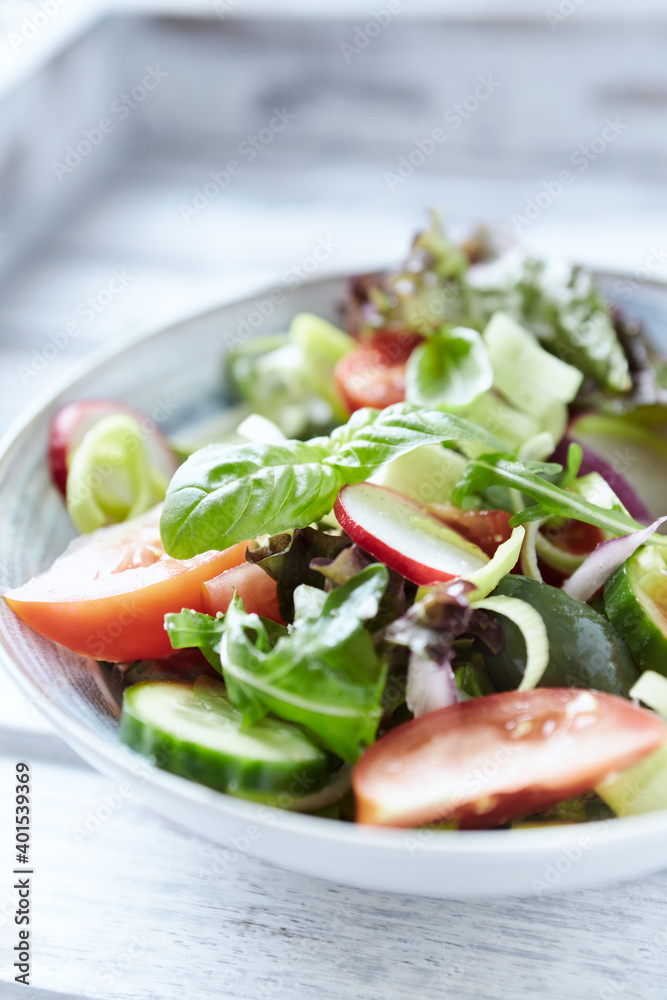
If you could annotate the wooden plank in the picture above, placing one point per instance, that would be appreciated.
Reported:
(139, 909)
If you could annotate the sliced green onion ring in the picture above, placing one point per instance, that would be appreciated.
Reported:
(557, 558)
(529, 565)
(651, 688)
(110, 478)
(504, 559)
(533, 630)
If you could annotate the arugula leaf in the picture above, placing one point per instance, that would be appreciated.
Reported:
(450, 369)
(222, 495)
(324, 673)
(551, 500)
(287, 558)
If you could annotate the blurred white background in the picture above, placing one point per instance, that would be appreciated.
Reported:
(360, 94)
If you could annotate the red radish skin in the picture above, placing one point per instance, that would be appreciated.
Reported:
(501, 757)
(70, 424)
(390, 526)
(255, 588)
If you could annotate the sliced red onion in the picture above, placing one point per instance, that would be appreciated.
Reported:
(430, 685)
(592, 462)
(605, 560)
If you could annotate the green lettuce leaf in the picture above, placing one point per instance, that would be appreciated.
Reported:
(573, 322)
(324, 673)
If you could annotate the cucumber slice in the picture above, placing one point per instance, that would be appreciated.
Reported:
(193, 731)
(642, 789)
(585, 651)
(635, 600)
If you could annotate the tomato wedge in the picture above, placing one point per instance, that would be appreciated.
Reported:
(107, 595)
(500, 757)
(374, 374)
(485, 528)
(573, 537)
(255, 588)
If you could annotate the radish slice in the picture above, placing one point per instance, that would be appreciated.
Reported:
(404, 535)
(71, 423)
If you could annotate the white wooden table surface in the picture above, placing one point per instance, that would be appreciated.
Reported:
(140, 909)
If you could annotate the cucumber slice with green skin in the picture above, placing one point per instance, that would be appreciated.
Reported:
(585, 650)
(198, 735)
(641, 789)
(635, 600)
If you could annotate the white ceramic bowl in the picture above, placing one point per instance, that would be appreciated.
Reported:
(180, 367)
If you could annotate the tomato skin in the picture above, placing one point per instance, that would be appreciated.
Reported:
(486, 528)
(374, 374)
(572, 536)
(107, 595)
(255, 588)
(500, 757)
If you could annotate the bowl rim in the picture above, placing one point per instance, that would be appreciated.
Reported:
(116, 759)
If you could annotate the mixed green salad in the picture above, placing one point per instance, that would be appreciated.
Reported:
(414, 575)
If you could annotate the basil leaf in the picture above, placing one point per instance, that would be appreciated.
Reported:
(324, 673)
(223, 495)
(450, 369)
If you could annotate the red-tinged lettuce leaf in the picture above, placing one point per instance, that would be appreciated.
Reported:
(397, 598)
(185, 665)
(288, 559)
(429, 630)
